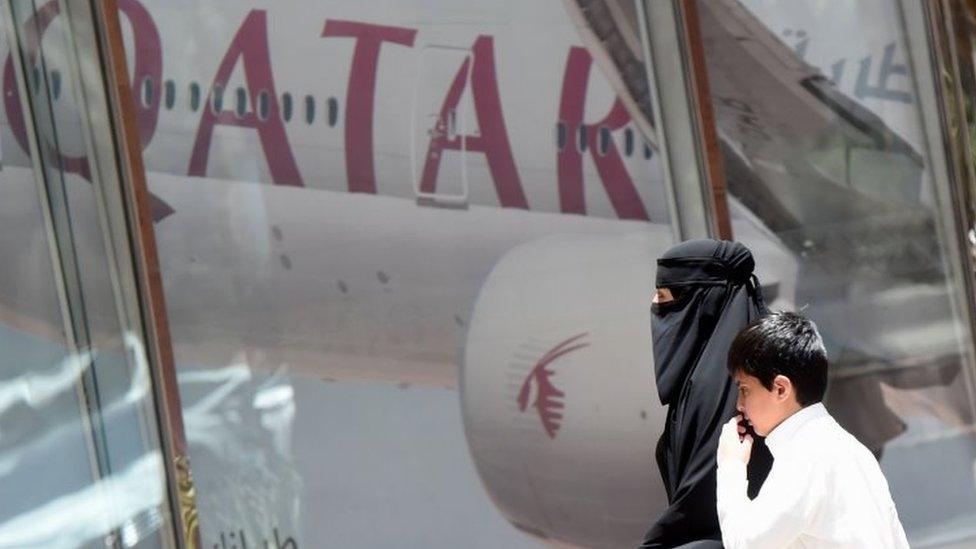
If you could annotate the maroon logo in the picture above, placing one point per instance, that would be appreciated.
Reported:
(548, 399)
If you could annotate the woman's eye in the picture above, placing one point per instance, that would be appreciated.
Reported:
(663, 295)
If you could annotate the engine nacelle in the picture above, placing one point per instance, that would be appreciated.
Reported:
(557, 388)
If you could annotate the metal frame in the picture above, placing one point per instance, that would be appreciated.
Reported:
(66, 299)
(688, 143)
(133, 217)
(112, 113)
(113, 148)
(935, 65)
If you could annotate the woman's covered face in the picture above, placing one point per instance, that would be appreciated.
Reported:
(701, 292)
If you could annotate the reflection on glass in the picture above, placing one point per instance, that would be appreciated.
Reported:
(350, 345)
(823, 142)
(360, 365)
(79, 454)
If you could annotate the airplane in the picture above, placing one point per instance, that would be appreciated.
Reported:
(464, 196)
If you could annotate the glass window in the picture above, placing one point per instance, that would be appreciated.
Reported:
(217, 99)
(560, 135)
(56, 84)
(824, 143)
(628, 142)
(147, 91)
(604, 143)
(263, 106)
(169, 94)
(286, 106)
(325, 316)
(240, 108)
(333, 111)
(81, 458)
(309, 109)
(194, 96)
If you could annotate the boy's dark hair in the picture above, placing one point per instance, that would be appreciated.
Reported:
(783, 343)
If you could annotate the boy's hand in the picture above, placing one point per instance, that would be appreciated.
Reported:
(734, 444)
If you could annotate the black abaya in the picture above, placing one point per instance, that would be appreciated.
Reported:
(716, 295)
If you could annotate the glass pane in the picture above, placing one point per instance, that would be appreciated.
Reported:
(79, 445)
(351, 362)
(823, 143)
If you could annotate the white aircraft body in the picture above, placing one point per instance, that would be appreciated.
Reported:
(431, 194)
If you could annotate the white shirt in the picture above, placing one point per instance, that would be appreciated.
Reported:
(825, 490)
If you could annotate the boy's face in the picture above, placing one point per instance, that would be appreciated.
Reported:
(763, 408)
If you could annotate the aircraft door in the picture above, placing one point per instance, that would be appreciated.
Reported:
(439, 124)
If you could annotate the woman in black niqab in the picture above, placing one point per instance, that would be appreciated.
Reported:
(715, 295)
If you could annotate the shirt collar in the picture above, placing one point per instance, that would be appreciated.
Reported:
(783, 433)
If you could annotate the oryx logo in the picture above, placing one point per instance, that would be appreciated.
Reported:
(548, 399)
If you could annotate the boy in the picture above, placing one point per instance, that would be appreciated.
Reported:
(825, 488)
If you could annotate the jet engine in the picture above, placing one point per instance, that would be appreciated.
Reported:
(557, 388)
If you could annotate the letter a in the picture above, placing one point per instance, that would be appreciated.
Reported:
(250, 44)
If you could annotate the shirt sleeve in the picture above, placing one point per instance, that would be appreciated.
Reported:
(897, 530)
(786, 504)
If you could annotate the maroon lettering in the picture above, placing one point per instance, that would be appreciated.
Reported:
(33, 31)
(250, 45)
(148, 68)
(613, 174)
(361, 93)
(492, 140)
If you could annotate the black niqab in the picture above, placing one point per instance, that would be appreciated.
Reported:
(716, 295)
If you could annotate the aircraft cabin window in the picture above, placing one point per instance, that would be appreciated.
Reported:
(194, 96)
(628, 141)
(169, 94)
(452, 124)
(241, 108)
(309, 109)
(647, 151)
(147, 91)
(333, 111)
(263, 105)
(560, 135)
(217, 99)
(286, 106)
(604, 143)
(582, 139)
(56, 84)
